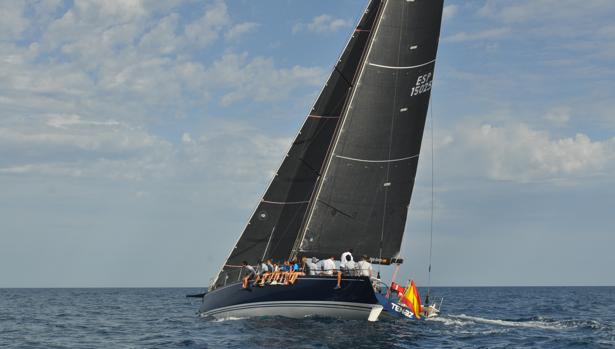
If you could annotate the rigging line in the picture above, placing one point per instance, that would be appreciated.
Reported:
(342, 76)
(283, 233)
(432, 197)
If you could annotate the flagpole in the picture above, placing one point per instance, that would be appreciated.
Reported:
(393, 280)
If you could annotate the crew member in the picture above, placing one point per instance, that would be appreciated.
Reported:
(250, 274)
(348, 265)
(364, 267)
(343, 258)
(328, 266)
(313, 266)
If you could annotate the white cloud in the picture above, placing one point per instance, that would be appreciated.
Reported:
(162, 39)
(259, 79)
(74, 146)
(65, 121)
(238, 30)
(559, 116)
(248, 152)
(550, 21)
(323, 24)
(449, 12)
(71, 131)
(488, 34)
(186, 138)
(206, 29)
(543, 10)
(12, 21)
(518, 153)
(80, 100)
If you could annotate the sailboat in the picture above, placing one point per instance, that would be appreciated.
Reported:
(347, 179)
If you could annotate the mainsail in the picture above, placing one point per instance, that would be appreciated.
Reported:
(274, 226)
(362, 199)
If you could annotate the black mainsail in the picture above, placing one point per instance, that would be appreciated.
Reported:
(362, 199)
(273, 229)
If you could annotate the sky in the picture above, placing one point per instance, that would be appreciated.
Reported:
(136, 137)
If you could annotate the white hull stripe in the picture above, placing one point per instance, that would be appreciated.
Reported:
(408, 67)
(378, 161)
(361, 307)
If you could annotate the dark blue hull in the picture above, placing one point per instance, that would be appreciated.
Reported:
(309, 296)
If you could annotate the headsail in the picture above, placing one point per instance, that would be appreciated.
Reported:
(276, 222)
(362, 200)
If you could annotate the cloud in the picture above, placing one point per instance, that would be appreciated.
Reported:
(12, 21)
(518, 153)
(559, 116)
(86, 97)
(238, 30)
(543, 10)
(489, 34)
(162, 38)
(449, 12)
(258, 79)
(248, 152)
(70, 139)
(206, 29)
(550, 21)
(323, 24)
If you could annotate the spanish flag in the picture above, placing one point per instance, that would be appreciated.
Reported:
(412, 299)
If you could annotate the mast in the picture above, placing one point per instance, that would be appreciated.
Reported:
(361, 201)
(275, 223)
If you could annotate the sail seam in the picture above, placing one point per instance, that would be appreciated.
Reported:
(336, 209)
(377, 161)
(407, 67)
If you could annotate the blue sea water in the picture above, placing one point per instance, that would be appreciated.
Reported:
(473, 317)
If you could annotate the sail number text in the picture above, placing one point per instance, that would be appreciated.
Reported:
(423, 84)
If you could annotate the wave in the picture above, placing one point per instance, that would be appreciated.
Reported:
(536, 322)
(231, 318)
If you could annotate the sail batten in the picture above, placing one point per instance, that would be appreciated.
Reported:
(396, 67)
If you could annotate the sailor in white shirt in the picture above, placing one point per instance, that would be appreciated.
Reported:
(344, 258)
(364, 267)
(350, 266)
(328, 266)
(263, 268)
(312, 266)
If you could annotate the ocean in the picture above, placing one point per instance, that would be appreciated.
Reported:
(472, 317)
